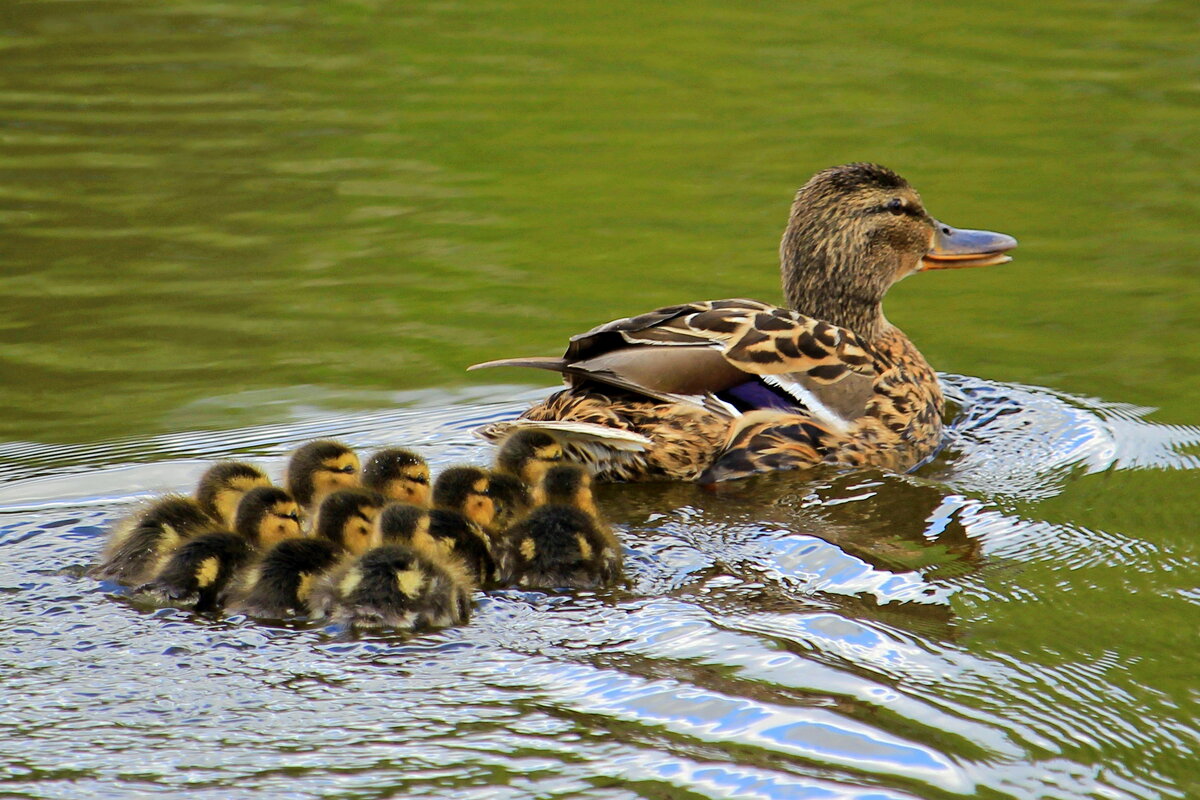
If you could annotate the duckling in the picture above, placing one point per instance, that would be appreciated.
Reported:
(399, 475)
(512, 497)
(558, 545)
(222, 485)
(318, 468)
(139, 546)
(199, 571)
(279, 585)
(463, 520)
(393, 586)
(527, 454)
(562, 542)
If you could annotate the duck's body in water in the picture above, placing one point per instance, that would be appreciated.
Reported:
(722, 389)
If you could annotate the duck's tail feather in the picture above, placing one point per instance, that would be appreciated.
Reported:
(536, 362)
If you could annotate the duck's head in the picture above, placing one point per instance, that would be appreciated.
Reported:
(321, 467)
(222, 485)
(403, 523)
(567, 485)
(528, 454)
(266, 516)
(511, 495)
(467, 490)
(347, 518)
(857, 229)
(399, 475)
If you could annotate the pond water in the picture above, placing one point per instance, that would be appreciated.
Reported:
(231, 228)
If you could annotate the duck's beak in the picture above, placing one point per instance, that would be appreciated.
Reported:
(959, 249)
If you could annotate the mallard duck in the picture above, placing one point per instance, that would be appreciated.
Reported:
(318, 468)
(222, 485)
(721, 389)
(200, 570)
(392, 586)
(562, 542)
(138, 546)
(463, 520)
(399, 475)
(560, 546)
(527, 454)
(279, 585)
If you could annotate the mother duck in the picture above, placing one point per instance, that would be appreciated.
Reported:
(722, 389)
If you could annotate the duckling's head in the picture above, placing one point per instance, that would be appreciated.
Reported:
(567, 485)
(511, 496)
(321, 467)
(467, 490)
(347, 518)
(528, 453)
(399, 475)
(855, 230)
(403, 523)
(222, 485)
(266, 516)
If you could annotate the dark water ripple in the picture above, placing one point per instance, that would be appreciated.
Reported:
(828, 636)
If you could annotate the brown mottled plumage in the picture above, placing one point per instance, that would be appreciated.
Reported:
(723, 389)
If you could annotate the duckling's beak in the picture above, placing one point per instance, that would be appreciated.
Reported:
(958, 249)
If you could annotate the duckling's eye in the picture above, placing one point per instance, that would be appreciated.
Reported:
(293, 517)
(418, 478)
(896, 206)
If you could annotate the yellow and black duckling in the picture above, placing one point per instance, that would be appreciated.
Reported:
(200, 570)
(463, 518)
(399, 475)
(527, 454)
(279, 585)
(512, 497)
(138, 547)
(562, 542)
(318, 468)
(722, 389)
(222, 485)
(393, 586)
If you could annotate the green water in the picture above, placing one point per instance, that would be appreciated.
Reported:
(228, 227)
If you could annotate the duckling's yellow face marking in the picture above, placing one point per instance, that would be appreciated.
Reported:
(282, 521)
(411, 486)
(360, 533)
(540, 460)
(305, 587)
(584, 501)
(341, 472)
(230, 495)
(479, 506)
(410, 581)
(206, 573)
(528, 549)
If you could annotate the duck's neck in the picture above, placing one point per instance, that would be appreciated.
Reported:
(822, 281)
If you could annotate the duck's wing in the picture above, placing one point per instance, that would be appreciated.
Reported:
(692, 352)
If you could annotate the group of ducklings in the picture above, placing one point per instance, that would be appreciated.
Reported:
(382, 547)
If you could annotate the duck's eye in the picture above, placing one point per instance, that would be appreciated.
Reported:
(896, 206)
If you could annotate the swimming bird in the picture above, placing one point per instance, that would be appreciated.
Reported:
(222, 485)
(527, 454)
(721, 389)
(138, 546)
(200, 570)
(398, 474)
(562, 542)
(318, 468)
(278, 586)
(392, 586)
(463, 520)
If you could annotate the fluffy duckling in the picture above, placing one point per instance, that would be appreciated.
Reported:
(512, 497)
(399, 475)
(393, 586)
(412, 526)
(527, 454)
(139, 546)
(279, 586)
(463, 520)
(318, 468)
(222, 485)
(563, 542)
(200, 570)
